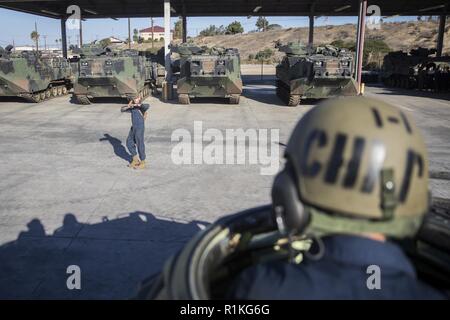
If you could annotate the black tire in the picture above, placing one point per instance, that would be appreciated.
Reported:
(81, 99)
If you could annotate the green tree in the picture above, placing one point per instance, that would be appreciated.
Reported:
(262, 24)
(135, 35)
(274, 26)
(178, 30)
(234, 28)
(212, 30)
(374, 50)
(264, 55)
(338, 43)
(35, 37)
(105, 42)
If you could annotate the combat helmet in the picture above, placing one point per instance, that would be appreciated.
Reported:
(354, 165)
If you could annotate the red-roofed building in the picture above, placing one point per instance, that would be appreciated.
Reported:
(158, 33)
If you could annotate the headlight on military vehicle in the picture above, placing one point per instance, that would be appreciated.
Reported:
(108, 63)
(345, 63)
(84, 64)
(221, 62)
(319, 63)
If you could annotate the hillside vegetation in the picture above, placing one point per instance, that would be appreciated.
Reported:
(398, 36)
(391, 37)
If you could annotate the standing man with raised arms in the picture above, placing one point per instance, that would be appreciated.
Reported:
(135, 138)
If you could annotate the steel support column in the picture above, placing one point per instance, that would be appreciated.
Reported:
(81, 33)
(360, 41)
(129, 33)
(64, 37)
(167, 40)
(184, 23)
(440, 38)
(311, 24)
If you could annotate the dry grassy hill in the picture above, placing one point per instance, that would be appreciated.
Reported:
(399, 36)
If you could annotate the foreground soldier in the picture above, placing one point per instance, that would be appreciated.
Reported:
(136, 135)
(357, 173)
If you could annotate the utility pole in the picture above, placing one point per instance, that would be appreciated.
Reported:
(45, 42)
(37, 36)
(153, 39)
(129, 33)
(81, 33)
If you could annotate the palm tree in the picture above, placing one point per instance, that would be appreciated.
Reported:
(35, 37)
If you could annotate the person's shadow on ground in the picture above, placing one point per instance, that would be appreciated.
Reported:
(114, 256)
(118, 147)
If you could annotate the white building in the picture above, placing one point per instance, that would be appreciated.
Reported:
(115, 40)
(26, 48)
(158, 33)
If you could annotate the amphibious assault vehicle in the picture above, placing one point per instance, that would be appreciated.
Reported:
(208, 263)
(403, 70)
(314, 73)
(208, 72)
(434, 74)
(112, 73)
(157, 71)
(34, 76)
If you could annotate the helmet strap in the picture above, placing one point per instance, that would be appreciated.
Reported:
(388, 199)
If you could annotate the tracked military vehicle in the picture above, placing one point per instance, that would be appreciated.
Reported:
(314, 73)
(107, 73)
(34, 76)
(157, 69)
(434, 74)
(207, 265)
(208, 72)
(403, 70)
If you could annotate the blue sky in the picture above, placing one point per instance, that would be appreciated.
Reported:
(17, 26)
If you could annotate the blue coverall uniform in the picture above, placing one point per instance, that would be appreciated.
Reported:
(136, 134)
(340, 274)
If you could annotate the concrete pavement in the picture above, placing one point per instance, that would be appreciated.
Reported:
(67, 196)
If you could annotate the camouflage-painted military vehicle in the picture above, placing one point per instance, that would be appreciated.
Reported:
(34, 76)
(210, 261)
(107, 73)
(434, 74)
(208, 72)
(314, 73)
(157, 69)
(401, 69)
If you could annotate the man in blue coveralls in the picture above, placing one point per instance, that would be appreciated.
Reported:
(136, 135)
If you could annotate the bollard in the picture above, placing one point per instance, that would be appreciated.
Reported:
(167, 91)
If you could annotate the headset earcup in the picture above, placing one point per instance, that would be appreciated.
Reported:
(285, 195)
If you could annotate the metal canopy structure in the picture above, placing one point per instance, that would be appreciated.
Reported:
(197, 8)
(91, 9)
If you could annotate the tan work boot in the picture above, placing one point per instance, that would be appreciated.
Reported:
(135, 162)
(141, 165)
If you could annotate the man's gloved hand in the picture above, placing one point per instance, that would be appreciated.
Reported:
(124, 108)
